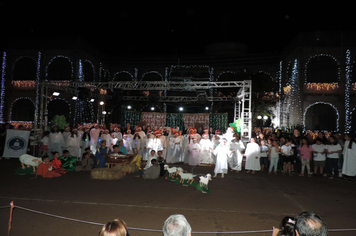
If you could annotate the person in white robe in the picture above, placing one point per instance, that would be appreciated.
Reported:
(106, 136)
(73, 144)
(113, 141)
(128, 144)
(252, 155)
(214, 143)
(66, 133)
(118, 133)
(196, 135)
(157, 143)
(349, 154)
(194, 150)
(94, 137)
(164, 144)
(147, 145)
(151, 156)
(175, 152)
(188, 139)
(222, 153)
(235, 162)
(55, 141)
(80, 133)
(205, 153)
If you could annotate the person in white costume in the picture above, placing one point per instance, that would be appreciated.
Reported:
(164, 144)
(106, 136)
(66, 133)
(185, 146)
(80, 133)
(205, 153)
(73, 144)
(252, 155)
(118, 133)
(94, 137)
(235, 162)
(113, 141)
(222, 153)
(175, 149)
(215, 142)
(194, 150)
(147, 145)
(349, 153)
(55, 141)
(128, 144)
(157, 143)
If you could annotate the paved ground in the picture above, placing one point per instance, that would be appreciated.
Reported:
(239, 202)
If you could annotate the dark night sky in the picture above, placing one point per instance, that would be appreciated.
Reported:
(173, 27)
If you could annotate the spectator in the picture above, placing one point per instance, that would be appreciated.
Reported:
(319, 156)
(287, 227)
(176, 225)
(305, 152)
(152, 172)
(349, 153)
(310, 224)
(333, 151)
(114, 228)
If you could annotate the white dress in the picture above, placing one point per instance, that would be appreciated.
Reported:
(175, 150)
(73, 145)
(55, 143)
(349, 165)
(236, 157)
(194, 154)
(253, 151)
(205, 154)
(222, 154)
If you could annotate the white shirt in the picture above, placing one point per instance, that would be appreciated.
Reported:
(319, 148)
(333, 148)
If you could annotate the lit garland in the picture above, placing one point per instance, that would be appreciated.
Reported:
(324, 103)
(314, 134)
(37, 87)
(295, 99)
(322, 86)
(26, 124)
(24, 84)
(287, 90)
(347, 92)
(80, 71)
(320, 55)
(2, 94)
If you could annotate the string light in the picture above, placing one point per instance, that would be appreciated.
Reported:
(2, 93)
(19, 98)
(347, 92)
(322, 86)
(320, 55)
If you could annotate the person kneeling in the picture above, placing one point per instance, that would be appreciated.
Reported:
(152, 172)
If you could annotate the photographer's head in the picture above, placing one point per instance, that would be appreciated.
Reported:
(310, 224)
(176, 225)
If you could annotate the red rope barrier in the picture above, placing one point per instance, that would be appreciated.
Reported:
(10, 220)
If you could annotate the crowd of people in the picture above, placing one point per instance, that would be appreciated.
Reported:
(305, 224)
(276, 152)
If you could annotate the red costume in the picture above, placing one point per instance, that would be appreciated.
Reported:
(44, 170)
(57, 166)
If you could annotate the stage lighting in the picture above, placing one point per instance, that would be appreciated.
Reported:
(129, 107)
(56, 94)
(181, 108)
(104, 112)
(101, 103)
(74, 98)
(152, 108)
(206, 108)
(92, 100)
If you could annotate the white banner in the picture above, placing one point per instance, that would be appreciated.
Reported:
(16, 143)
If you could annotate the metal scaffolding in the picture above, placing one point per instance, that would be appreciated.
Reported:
(242, 102)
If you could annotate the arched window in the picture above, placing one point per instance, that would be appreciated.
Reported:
(59, 69)
(22, 109)
(321, 116)
(322, 69)
(123, 76)
(25, 69)
(152, 76)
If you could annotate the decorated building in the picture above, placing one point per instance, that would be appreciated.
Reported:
(310, 84)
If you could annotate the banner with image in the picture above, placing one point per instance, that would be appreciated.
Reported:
(16, 143)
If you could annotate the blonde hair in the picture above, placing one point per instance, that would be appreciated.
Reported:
(114, 228)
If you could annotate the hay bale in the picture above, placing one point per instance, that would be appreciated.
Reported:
(107, 174)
